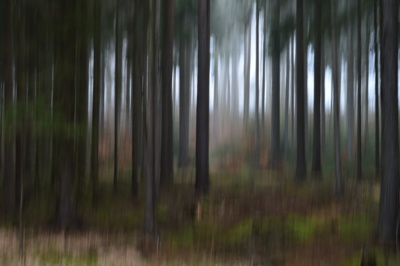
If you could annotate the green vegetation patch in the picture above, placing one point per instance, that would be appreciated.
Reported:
(52, 257)
(301, 228)
(355, 228)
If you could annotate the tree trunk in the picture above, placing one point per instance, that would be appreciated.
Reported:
(257, 115)
(202, 122)
(359, 174)
(389, 196)
(300, 101)
(377, 124)
(323, 123)
(287, 84)
(64, 99)
(316, 163)
(247, 75)
(275, 111)
(167, 136)
(350, 95)
(336, 129)
(184, 102)
(9, 142)
(117, 96)
(366, 84)
(263, 86)
(94, 165)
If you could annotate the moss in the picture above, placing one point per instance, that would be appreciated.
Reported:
(52, 257)
(301, 228)
(355, 228)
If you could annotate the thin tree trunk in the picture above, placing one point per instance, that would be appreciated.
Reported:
(377, 124)
(323, 123)
(366, 85)
(247, 75)
(96, 103)
(316, 163)
(202, 123)
(117, 96)
(350, 95)
(257, 116)
(9, 146)
(336, 129)
(287, 84)
(300, 95)
(359, 174)
(264, 76)
(167, 136)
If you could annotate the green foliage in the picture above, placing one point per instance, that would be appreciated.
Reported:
(355, 228)
(301, 228)
(53, 257)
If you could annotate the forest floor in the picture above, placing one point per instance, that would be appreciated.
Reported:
(263, 220)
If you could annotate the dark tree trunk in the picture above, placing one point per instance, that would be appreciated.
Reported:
(301, 148)
(359, 174)
(202, 122)
(167, 137)
(117, 97)
(350, 95)
(323, 117)
(184, 102)
(377, 124)
(257, 142)
(336, 128)
(389, 196)
(366, 84)
(64, 99)
(94, 165)
(82, 99)
(9, 142)
(263, 86)
(287, 89)
(316, 163)
(247, 74)
(275, 111)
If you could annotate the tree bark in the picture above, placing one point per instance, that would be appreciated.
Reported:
(377, 123)
(336, 125)
(316, 163)
(389, 196)
(257, 115)
(94, 165)
(275, 111)
(167, 136)
(359, 174)
(202, 123)
(350, 95)
(247, 75)
(300, 101)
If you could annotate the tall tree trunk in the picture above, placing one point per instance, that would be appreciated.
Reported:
(9, 143)
(323, 123)
(293, 94)
(366, 85)
(167, 136)
(336, 129)
(275, 111)
(263, 86)
(377, 124)
(257, 115)
(287, 85)
(117, 99)
(94, 165)
(64, 99)
(202, 122)
(82, 97)
(359, 174)
(350, 95)
(316, 163)
(247, 74)
(184, 102)
(389, 196)
(216, 81)
(300, 101)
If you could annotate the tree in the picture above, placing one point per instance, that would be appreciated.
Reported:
(9, 148)
(167, 137)
(350, 91)
(301, 148)
(377, 124)
(359, 90)
(316, 163)
(275, 111)
(336, 125)
(94, 164)
(202, 122)
(118, 81)
(389, 196)
(257, 114)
